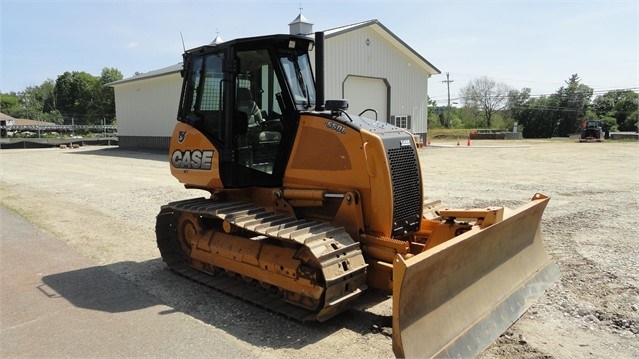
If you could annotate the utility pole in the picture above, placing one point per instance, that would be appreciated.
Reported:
(448, 81)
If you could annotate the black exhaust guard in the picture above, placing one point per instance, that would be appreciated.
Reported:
(319, 71)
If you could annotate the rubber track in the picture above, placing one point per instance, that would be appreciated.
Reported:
(320, 237)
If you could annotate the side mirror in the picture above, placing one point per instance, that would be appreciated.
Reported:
(193, 120)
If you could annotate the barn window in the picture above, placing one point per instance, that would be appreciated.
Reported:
(401, 121)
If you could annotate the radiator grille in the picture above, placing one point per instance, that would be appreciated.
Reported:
(407, 194)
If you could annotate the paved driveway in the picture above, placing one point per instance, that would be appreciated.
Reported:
(56, 303)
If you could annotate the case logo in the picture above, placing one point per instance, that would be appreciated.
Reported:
(196, 159)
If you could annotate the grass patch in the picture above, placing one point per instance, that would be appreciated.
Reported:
(6, 198)
(452, 133)
(15, 204)
(16, 210)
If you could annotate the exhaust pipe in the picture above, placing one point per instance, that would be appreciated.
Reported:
(319, 71)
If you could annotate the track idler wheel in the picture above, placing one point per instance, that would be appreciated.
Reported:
(188, 227)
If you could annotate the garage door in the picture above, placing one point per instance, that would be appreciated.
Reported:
(366, 92)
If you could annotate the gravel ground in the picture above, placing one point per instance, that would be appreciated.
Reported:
(102, 201)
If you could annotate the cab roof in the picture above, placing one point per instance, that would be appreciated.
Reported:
(278, 40)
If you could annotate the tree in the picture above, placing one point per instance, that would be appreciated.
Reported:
(539, 117)
(471, 117)
(622, 105)
(34, 103)
(487, 95)
(516, 102)
(573, 104)
(610, 123)
(75, 93)
(634, 117)
(40, 99)
(85, 98)
(10, 104)
(433, 115)
(46, 92)
(105, 97)
(559, 114)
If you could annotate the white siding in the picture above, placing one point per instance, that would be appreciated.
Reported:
(365, 52)
(148, 107)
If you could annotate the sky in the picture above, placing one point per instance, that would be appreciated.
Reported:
(534, 44)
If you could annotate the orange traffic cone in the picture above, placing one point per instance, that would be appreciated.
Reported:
(468, 143)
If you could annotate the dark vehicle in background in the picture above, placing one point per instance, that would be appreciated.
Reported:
(591, 131)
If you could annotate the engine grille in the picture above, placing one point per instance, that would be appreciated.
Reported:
(407, 194)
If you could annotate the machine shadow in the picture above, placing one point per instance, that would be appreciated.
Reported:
(155, 155)
(130, 286)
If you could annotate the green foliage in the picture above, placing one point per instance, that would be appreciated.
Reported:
(105, 97)
(622, 105)
(609, 122)
(75, 96)
(455, 121)
(559, 114)
(590, 114)
(450, 133)
(10, 104)
(538, 117)
(632, 122)
(486, 95)
(502, 122)
(40, 98)
(434, 119)
(573, 102)
(516, 102)
(34, 103)
(471, 117)
(74, 93)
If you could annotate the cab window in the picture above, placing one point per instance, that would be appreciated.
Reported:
(205, 96)
(256, 86)
(299, 76)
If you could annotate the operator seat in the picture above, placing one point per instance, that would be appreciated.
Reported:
(246, 104)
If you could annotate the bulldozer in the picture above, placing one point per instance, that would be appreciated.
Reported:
(308, 206)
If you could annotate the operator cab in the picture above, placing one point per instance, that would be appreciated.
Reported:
(591, 124)
(245, 96)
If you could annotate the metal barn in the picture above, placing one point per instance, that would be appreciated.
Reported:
(365, 63)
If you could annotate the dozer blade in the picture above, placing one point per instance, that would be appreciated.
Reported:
(455, 299)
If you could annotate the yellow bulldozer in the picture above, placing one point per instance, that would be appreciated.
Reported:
(310, 206)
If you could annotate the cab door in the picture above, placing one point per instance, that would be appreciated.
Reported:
(256, 135)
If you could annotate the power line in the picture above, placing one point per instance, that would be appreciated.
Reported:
(595, 92)
(509, 79)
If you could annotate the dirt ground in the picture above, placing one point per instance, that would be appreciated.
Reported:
(103, 201)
